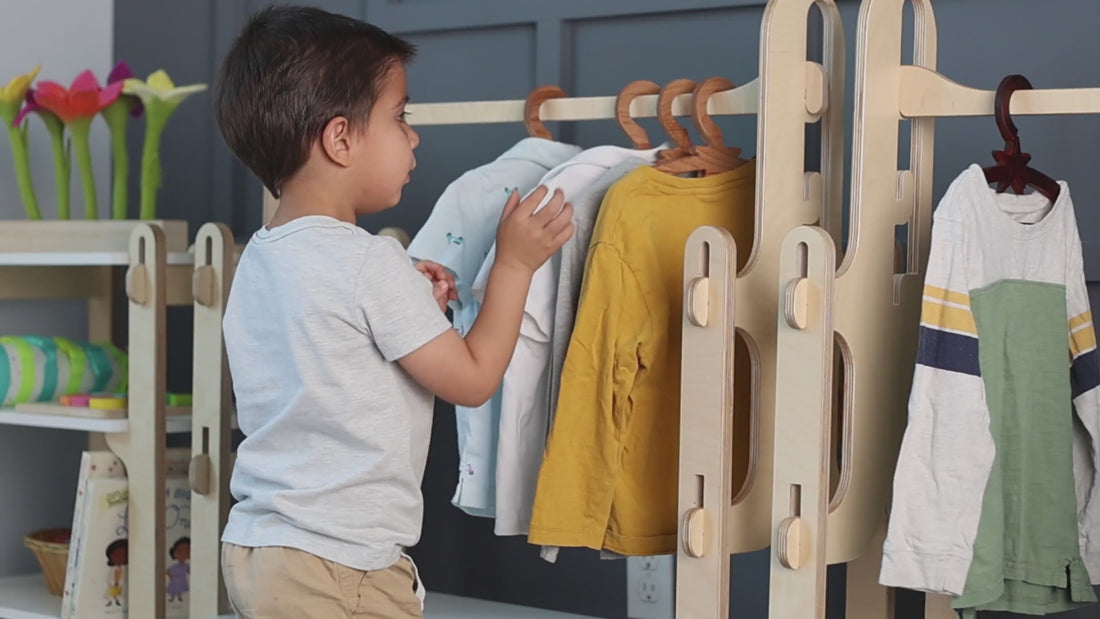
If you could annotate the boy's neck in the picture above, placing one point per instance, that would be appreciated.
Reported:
(298, 201)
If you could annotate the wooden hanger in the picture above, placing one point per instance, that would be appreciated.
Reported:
(715, 150)
(531, 120)
(631, 128)
(713, 158)
(1012, 169)
(675, 130)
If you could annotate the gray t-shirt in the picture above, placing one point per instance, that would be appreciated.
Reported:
(336, 432)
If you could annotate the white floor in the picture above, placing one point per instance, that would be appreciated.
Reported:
(26, 597)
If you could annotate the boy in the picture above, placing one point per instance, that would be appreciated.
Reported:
(336, 343)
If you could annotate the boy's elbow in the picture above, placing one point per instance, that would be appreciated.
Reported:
(473, 395)
(472, 399)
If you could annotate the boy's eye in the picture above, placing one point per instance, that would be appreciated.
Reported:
(404, 116)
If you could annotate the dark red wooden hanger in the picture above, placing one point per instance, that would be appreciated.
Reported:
(1012, 169)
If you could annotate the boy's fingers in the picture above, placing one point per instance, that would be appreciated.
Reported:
(533, 199)
(563, 235)
(551, 209)
(562, 219)
(437, 270)
(511, 204)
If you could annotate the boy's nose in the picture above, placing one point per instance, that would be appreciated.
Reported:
(414, 137)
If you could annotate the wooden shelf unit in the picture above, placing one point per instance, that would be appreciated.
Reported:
(78, 260)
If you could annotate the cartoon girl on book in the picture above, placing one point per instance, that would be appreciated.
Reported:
(178, 573)
(118, 558)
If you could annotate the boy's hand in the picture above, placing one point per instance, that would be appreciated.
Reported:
(443, 283)
(526, 239)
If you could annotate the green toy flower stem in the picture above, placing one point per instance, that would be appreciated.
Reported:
(21, 158)
(80, 128)
(116, 115)
(60, 162)
(156, 117)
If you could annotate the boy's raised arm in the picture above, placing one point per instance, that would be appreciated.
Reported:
(468, 371)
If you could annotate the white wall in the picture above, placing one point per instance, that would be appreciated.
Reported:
(38, 467)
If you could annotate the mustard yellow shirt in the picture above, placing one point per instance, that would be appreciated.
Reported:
(609, 477)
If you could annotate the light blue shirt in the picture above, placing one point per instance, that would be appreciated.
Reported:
(458, 234)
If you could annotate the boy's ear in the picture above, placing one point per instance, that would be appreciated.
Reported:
(336, 141)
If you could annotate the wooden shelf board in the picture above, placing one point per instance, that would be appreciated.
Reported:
(175, 424)
(26, 597)
(82, 258)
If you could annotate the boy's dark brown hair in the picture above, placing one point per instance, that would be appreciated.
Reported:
(291, 71)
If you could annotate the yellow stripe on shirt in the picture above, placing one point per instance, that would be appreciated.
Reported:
(938, 315)
(1082, 340)
(950, 296)
(1079, 320)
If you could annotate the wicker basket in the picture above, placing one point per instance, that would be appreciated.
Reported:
(52, 555)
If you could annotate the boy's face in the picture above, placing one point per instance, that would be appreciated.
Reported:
(382, 152)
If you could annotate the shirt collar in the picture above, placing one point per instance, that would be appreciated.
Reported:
(546, 153)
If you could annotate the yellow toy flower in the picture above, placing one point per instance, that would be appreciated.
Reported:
(13, 94)
(161, 97)
(159, 87)
(11, 99)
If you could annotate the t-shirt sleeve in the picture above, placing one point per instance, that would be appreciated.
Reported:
(394, 301)
(1085, 382)
(947, 451)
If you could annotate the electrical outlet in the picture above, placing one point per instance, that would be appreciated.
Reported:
(651, 585)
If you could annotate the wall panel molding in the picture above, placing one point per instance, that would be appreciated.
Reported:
(421, 15)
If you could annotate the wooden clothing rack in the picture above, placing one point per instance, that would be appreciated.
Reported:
(860, 309)
(721, 515)
(831, 338)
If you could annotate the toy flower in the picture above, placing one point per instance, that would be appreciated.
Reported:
(60, 152)
(77, 106)
(116, 115)
(11, 99)
(161, 98)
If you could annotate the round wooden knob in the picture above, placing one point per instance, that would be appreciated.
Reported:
(796, 303)
(696, 532)
(397, 233)
(817, 90)
(137, 284)
(790, 542)
(198, 474)
(202, 285)
(698, 301)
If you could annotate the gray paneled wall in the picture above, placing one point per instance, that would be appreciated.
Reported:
(491, 49)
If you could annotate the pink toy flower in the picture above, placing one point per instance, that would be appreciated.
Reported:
(77, 106)
(83, 100)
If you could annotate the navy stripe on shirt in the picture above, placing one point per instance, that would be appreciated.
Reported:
(1085, 373)
(944, 350)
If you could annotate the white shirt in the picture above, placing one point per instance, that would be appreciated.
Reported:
(459, 234)
(336, 431)
(525, 391)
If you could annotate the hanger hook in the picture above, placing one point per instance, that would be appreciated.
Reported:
(1001, 112)
(668, 94)
(531, 120)
(631, 128)
(706, 126)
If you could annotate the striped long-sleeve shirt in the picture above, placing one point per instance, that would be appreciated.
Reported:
(996, 482)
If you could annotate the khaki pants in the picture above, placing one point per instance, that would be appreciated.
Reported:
(277, 583)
